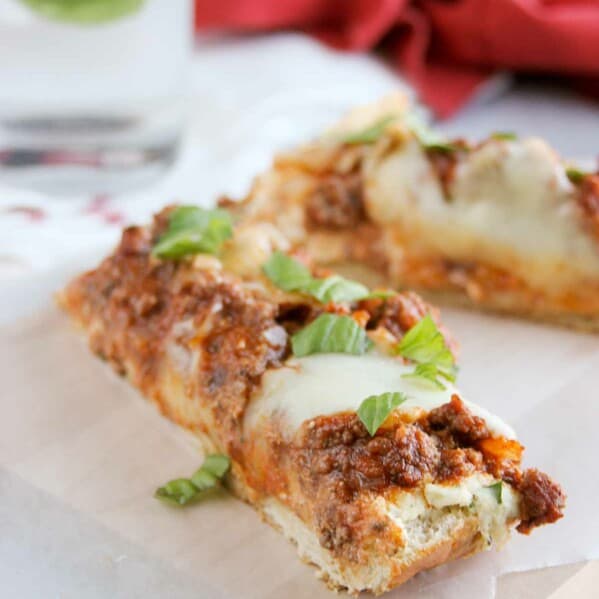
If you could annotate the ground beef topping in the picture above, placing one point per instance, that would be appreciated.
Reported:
(543, 500)
(336, 203)
(453, 419)
(400, 312)
(340, 460)
(338, 447)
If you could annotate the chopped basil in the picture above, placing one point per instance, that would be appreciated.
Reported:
(425, 345)
(427, 374)
(373, 411)
(184, 490)
(330, 334)
(179, 491)
(216, 464)
(440, 146)
(497, 490)
(504, 135)
(193, 230)
(336, 289)
(286, 273)
(290, 275)
(575, 175)
(369, 134)
(380, 294)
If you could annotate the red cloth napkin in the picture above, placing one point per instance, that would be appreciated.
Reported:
(446, 48)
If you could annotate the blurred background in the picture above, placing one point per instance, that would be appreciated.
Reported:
(110, 109)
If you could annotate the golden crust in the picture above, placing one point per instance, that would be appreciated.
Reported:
(465, 540)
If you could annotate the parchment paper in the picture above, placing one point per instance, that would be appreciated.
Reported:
(81, 454)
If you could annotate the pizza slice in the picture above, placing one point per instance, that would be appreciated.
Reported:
(503, 224)
(335, 404)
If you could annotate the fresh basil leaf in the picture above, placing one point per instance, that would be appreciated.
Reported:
(193, 230)
(427, 374)
(497, 489)
(184, 490)
(380, 294)
(441, 146)
(216, 464)
(369, 134)
(330, 334)
(179, 491)
(504, 135)
(336, 289)
(290, 275)
(374, 410)
(286, 273)
(203, 480)
(424, 344)
(575, 175)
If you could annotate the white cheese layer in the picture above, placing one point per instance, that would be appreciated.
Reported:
(511, 205)
(325, 384)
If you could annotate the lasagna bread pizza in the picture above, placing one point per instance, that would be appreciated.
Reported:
(335, 404)
(503, 224)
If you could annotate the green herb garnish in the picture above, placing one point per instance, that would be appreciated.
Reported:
(497, 490)
(373, 411)
(380, 294)
(182, 491)
(504, 135)
(370, 134)
(425, 345)
(193, 230)
(441, 146)
(290, 275)
(330, 334)
(287, 273)
(575, 175)
(336, 289)
(427, 374)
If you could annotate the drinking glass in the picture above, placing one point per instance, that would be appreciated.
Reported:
(92, 92)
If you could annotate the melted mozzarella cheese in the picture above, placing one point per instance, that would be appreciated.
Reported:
(510, 205)
(324, 384)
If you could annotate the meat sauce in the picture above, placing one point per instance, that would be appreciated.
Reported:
(444, 446)
(336, 203)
